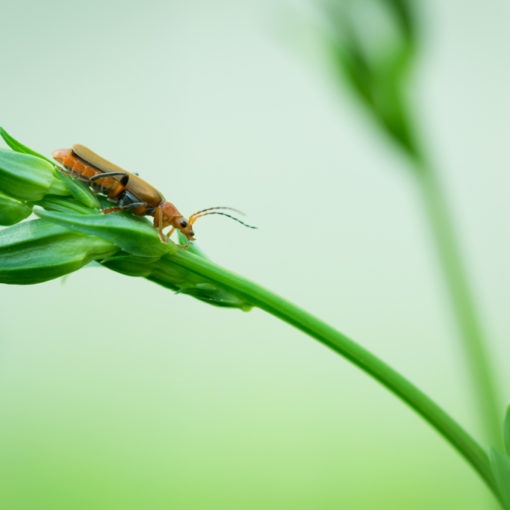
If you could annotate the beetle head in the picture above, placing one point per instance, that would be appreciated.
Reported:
(172, 217)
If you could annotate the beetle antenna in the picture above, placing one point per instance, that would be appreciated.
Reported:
(207, 212)
(215, 209)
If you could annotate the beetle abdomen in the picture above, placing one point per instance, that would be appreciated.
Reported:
(108, 186)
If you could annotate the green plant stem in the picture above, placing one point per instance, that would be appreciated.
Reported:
(466, 313)
(347, 348)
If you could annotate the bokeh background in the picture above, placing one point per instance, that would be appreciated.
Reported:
(116, 394)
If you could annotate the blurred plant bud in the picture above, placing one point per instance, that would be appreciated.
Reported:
(372, 43)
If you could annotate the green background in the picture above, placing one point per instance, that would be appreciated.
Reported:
(117, 394)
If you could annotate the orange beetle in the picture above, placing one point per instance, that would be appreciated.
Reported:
(129, 191)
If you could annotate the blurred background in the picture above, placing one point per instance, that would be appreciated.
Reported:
(117, 394)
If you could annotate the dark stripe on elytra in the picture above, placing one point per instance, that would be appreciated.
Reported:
(86, 162)
(123, 181)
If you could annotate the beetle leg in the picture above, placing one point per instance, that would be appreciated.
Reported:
(109, 210)
(128, 207)
(178, 245)
(158, 223)
(162, 236)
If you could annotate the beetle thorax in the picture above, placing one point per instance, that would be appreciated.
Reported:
(169, 212)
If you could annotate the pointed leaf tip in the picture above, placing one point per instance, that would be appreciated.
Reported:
(19, 147)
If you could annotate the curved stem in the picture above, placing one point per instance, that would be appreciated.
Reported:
(347, 348)
(466, 313)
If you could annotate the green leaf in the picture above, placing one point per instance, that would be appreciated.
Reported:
(53, 203)
(130, 265)
(12, 210)
(500, 465)
(506, 430)
(133, 235)
(165, 272)
(58, 186)
(19, 147)
(214, 296)
(39, 250)
(27, 177)
(80, 191)
(77, 189)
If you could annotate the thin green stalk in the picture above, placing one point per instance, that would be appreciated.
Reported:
(466, 313)
(347, 348)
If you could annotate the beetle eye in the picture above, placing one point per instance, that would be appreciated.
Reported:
(183, 224)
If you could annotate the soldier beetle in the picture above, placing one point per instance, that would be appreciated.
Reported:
(130, 192)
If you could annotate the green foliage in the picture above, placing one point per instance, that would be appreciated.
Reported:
(19, 147)
(80, 191)
(373, 46)
(12, 210)
(164, 271)
(39, 250)
(76, 188)
(72, 232)
(70, 235)
(500, 465)
(28, 177)
(134, 235)
(506, 431)
(53, 203)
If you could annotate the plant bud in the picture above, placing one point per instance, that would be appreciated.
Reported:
(165, 272)
(28, 177)
(12, 210)
(39, 250)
